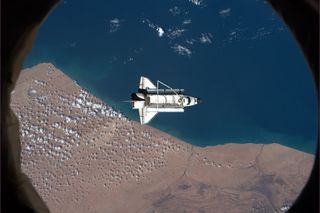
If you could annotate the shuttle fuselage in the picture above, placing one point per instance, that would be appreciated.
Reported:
(150, 100)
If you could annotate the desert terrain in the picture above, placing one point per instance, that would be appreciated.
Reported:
(84, 156)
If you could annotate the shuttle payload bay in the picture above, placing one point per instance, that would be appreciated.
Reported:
(150, 100)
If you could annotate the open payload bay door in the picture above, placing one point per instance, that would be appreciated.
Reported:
(145, 116)
(145, 83)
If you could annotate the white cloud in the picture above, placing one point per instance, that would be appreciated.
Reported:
(237, 34)
(114, 25)
(225, 12)
(261, 33)
(160, 31)
(157, 28)
(206, 38)
(175, 10)
(181, 50)
(190, 41)
(187, 21)
(197, 2)
(172, 34)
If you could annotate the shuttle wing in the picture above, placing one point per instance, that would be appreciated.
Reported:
(145, 83)
(145, 116)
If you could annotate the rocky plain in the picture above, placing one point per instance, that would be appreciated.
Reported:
(84, 156)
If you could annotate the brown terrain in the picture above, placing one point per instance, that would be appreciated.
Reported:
(83, 156)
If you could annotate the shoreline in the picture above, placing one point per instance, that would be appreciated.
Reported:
(82, 155)
(175, 132)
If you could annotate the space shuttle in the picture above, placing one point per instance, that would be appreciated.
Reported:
(150, 100)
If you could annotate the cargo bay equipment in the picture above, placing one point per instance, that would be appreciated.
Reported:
(150, 100)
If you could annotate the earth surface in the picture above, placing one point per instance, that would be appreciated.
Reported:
(236, 56)
(84, 156)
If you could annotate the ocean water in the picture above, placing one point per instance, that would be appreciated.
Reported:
(239, 58)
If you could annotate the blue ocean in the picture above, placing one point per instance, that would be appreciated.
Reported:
(239, 57)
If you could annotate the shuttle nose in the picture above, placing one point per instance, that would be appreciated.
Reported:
(199, 101)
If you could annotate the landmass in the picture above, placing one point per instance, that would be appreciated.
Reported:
(83, 156)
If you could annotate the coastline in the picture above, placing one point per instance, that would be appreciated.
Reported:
(100, 155)
(197, 140)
